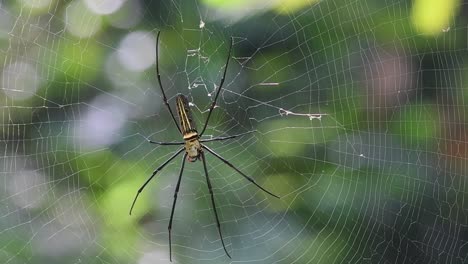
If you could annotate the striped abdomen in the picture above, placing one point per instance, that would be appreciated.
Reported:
(187, 124)
(189, 131)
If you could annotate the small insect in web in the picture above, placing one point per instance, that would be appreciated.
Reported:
(193, 147)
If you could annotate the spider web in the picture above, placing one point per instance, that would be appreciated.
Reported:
(358, 109)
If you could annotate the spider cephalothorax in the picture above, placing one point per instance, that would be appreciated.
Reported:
(193, 146)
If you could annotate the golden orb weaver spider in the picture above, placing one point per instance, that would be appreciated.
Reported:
(194, 149)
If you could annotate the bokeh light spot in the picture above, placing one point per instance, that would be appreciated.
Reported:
(27, 188)
(80, 21)
(19, 80)
(137, 51)
(102, 122)
(104, 7)
(37, 5)
(129, 15)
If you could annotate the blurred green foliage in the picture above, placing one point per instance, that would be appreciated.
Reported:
(365, 173)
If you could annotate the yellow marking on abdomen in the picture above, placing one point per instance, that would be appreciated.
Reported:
(191, 135)
(185, 116)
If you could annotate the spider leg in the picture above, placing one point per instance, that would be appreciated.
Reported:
(160, 83)
(213, 104)
(169, 228)
(213, 202)
(228, 137)
(236, 169)
(166, 143)
(152, 175)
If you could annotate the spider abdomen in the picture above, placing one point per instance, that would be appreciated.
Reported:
(189, 131)
(187, 125)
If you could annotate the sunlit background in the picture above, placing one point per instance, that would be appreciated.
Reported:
(358, 108)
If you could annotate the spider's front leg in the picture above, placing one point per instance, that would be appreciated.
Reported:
(166, 143)
(228, 137)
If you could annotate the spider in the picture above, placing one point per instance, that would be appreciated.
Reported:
(193, 147)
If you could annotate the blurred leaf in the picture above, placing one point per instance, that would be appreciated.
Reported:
(293, 135)
(271, 68)
(115, 204)
(102, 170)
(275, 183)
(323, 247)
(70, 66)
(281, 7)
(226, 3)
(417, 123)
(290, 6)
(432, 17)
(80, 60)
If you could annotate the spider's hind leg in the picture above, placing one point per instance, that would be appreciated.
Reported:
(210, 189)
